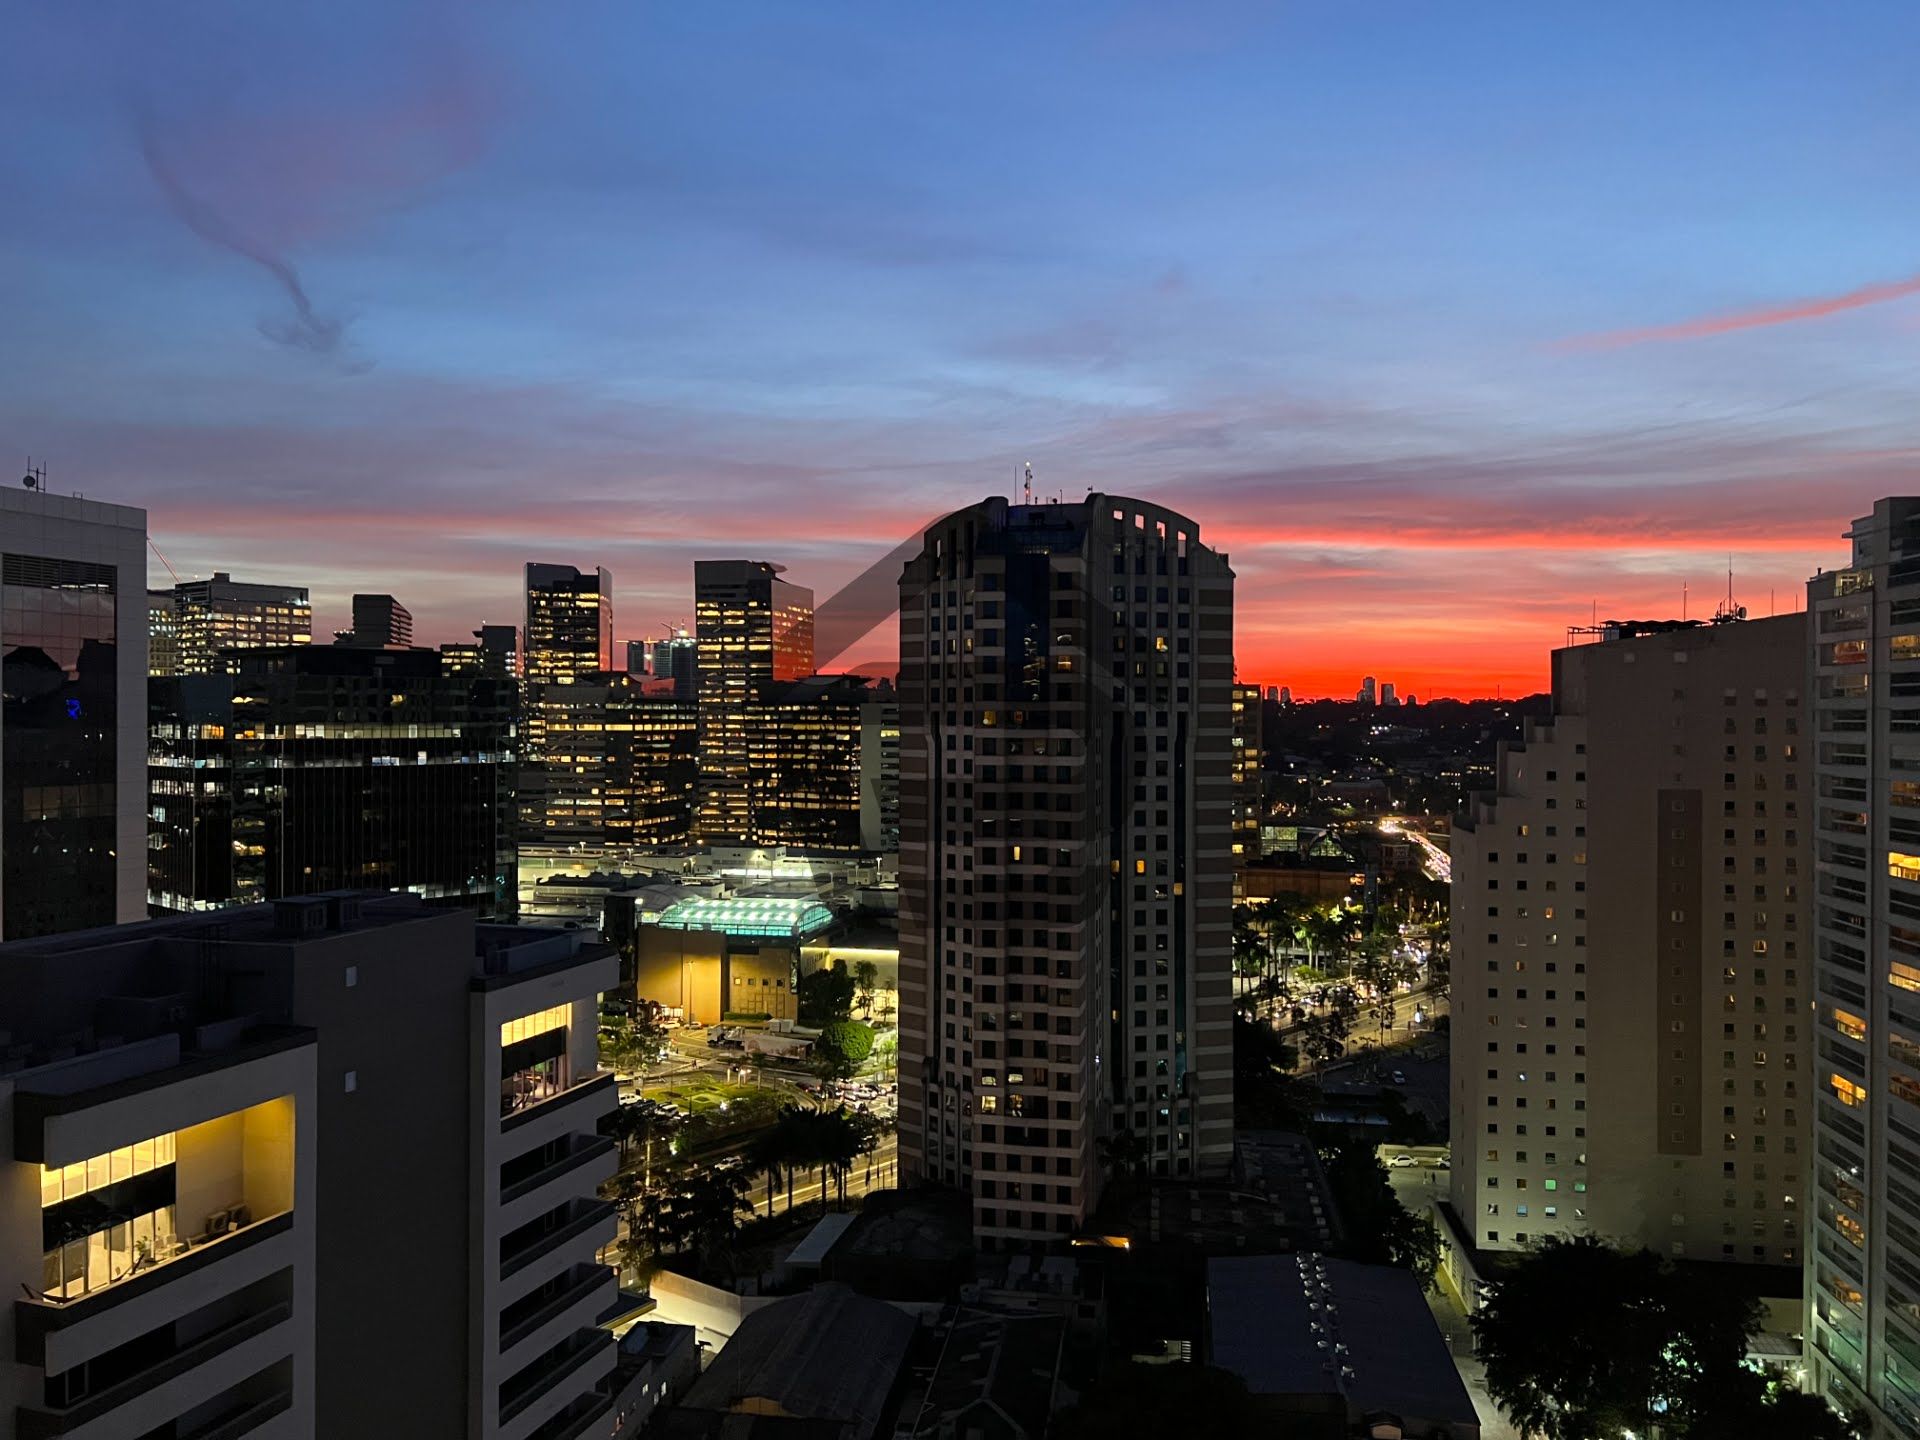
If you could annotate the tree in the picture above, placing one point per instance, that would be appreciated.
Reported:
(866, 979)
(842, 1048)
(1151, 1402)
(632, 1043)
(826, 994)
(1645, 1343)
(1380, 1230)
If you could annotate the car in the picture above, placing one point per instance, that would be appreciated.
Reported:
(1401, 1161)
(1399, 1077)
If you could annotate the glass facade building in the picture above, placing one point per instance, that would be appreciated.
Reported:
(72, 660)
(215, 617)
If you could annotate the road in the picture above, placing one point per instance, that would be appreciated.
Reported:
(1438, 863)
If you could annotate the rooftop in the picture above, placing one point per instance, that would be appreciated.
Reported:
(768, 917)
(1295, 1325)
(996, 1377)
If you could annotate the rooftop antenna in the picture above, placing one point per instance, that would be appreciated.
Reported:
(36, 476)
(1728, 610)
(1027, 492)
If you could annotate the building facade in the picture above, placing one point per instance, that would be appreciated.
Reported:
(1631, 954)
(73, 665)
(216, 1119)
(880, 772)
(617, 765)
(215, 617)
(324, 767)
(1065, 861)
(378, 620)
(1248, 779)
(752, 630)
(569, 627)
(1863, 1250)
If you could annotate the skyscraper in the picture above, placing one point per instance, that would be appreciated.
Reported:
(163, 634)
(73, 664)
(1863, 1252)
(1388, 695)
(639, 657)
(569, 629)
(213, 618)
(378, 620)
(1630, 922)
(1367, 695)
(1066, 877)
(1248, 806)
(754, 630)
(327, 766)
(617, 767)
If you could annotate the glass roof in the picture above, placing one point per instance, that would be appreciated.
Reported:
(776, 918)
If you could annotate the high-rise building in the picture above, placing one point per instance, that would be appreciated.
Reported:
(327, 766)
(1863, 1250)
(1248, 803)
(73, 665)
(1066, 744)
(218, 1132)
(569, 629)
(880, 771)
(213, 618)
(378, 620)
(639, 657)
(163, 634)
(804, 749)
(1273, 694)
(677, 658)
(754, 630)
(1286, 694)
(1367, 695)
(1630, 966)
(1388, 695)
(618, 766)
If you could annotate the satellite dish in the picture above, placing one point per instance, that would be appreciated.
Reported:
(28, 481)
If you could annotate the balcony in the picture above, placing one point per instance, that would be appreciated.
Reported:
(584, 1284)
(600, 1084)
(584, 1217)
(552, 1370)
(245, 1422)
(580, 1418)
(584, 1152)
(43, 1422)
(35, 1320)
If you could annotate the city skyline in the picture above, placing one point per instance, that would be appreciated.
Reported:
(512, 293)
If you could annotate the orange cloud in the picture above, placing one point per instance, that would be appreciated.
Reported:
(1814, 308)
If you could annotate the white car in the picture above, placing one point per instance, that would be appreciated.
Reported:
(1401, 1162)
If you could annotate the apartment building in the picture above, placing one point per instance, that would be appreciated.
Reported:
(1248, 781)
(1065, 871)
(73, 662)
(1631, 953)
(322, 1167)
(1863, 1248)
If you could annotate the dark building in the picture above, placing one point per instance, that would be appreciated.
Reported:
(495, 650)
(754, 630)
(1065, 866)
(325, 767)
(617, 766)
(803, 764)
(378, 620)
(73, 621)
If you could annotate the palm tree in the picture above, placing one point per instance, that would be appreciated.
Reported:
(840, 1145)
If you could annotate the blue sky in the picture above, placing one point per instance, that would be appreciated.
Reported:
(1447, 321)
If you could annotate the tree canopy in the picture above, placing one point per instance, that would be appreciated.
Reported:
(826, 994)
(843, 1047)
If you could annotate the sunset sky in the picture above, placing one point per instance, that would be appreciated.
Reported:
(1450, 322)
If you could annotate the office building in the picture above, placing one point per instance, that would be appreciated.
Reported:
(617, 766)
(239, 1132)
(677, 658)
(494, 650)
(73, 666)
(1863, 1252)
(639, 657)
(1248, 801)
(754, 630)
(1630, 953)
(213, 618)
(569, 629)
(1367, 695)
(323, 767)
(1388, 696)
(805, 742)
(880, 771)
(1286, 695)
(378, 621)
(1065, 855)
(163, 634)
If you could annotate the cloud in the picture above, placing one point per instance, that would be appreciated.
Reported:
(306, 328)
(1706, 326)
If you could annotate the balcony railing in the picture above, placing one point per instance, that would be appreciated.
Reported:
(551, 1370)
(582, 1286)
(584, 1153)
(44, 1422)
(246, 1421)
(34, 1320)
(587, 1216)
(599, 1084)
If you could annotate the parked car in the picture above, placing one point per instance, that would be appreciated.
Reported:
(1401, 1161)
(1399, 1077)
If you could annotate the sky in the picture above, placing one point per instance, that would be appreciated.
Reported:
(1453, 324)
